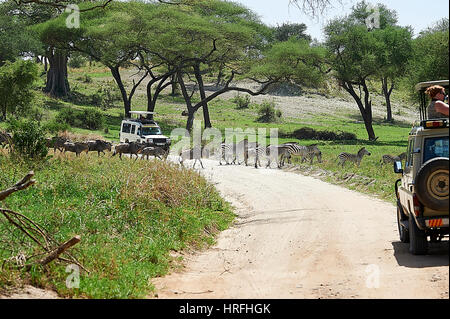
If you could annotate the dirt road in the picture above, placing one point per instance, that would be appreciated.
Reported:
(298, 237)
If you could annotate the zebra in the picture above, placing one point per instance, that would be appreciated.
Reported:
(355, 158)
(270, 152)
(303, 151)
(236, 149)
(386, 159)
(191, 154)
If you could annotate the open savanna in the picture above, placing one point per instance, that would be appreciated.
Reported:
(322, 109)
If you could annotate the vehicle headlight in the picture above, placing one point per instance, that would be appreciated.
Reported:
(149, 140)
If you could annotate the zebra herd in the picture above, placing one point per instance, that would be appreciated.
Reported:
(277, 153)
(230, 153)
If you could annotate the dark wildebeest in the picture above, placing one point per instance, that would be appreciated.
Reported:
(5, 138)
(99, 146)
(76, 147)
(155, 151)
(56, 142)
(131, 148)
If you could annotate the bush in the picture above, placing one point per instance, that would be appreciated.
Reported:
(307, 133)
(28, 139)
(77, 61)
(85, 78)
(89, 118)
(242, 102)
(106, 96)
(54, 127)
(266, 112)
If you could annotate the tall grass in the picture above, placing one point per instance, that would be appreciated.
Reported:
(130, 216)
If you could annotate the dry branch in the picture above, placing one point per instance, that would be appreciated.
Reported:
(22, 184)
(57, 252)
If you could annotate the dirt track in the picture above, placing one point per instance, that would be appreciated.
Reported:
(298, 237)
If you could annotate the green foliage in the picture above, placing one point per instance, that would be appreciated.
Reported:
(16, 82)
(292, 60)
(106, 96)
(430, 61)
(130, 217)
(242, 102)
(15, 38)
(88, 118)
(77, 61)
(288, 30)
(54, 127)
(28, 139)
(267, 112)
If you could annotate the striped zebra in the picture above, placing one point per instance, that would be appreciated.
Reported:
(355, 158)
(270, 153)
(387, 159)
(236, 150)
(294, 149)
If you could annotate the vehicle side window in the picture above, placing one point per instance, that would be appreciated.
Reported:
(409, 159)
(126, 128)
(133, 129)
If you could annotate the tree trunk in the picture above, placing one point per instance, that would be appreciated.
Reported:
(387, 96)
(57, 83)
(126, 101)
(187, 98)
(364, 108)
(201, 86)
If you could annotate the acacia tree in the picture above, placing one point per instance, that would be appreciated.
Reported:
(216, 36)
(394, 47)
(352, 55)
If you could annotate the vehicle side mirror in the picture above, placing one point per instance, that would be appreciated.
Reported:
(398, 167)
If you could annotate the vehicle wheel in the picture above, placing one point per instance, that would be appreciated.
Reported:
(432, 184)
(403, 231)
(418, 244)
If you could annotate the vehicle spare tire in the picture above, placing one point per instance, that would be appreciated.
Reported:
(432, 184)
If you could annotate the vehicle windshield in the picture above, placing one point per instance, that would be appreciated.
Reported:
(149, 130)
(435, 147)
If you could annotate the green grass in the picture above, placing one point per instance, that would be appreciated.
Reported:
(129, 214)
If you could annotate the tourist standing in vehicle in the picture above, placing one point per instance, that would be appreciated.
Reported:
(437, 108)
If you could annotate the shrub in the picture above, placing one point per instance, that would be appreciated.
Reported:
(242, 102)
(76, 61)
(85, 78)
(89, 118)
(54, 127)
(106, 96)
(28, 139)
(308, 133)
(266, 112)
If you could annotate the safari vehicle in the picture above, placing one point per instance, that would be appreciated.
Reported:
(422, 192)
(142, 130)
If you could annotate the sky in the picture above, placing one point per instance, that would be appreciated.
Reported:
(419, 14)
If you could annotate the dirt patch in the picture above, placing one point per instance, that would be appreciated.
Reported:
(28, 292)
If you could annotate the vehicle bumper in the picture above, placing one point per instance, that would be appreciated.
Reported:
(434, 222)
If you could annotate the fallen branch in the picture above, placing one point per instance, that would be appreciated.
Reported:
(57, 252)
(21, 185)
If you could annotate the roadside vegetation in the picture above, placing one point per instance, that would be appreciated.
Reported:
(208, 60)
(130, 215)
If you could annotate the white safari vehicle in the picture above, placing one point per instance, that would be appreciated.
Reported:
(422, 192)
(143, 130)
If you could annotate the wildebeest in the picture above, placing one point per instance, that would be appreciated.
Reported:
(5, 138)
(127, 148)
(155, 151)
(56, 142)
(99, 146)
(76, 147)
